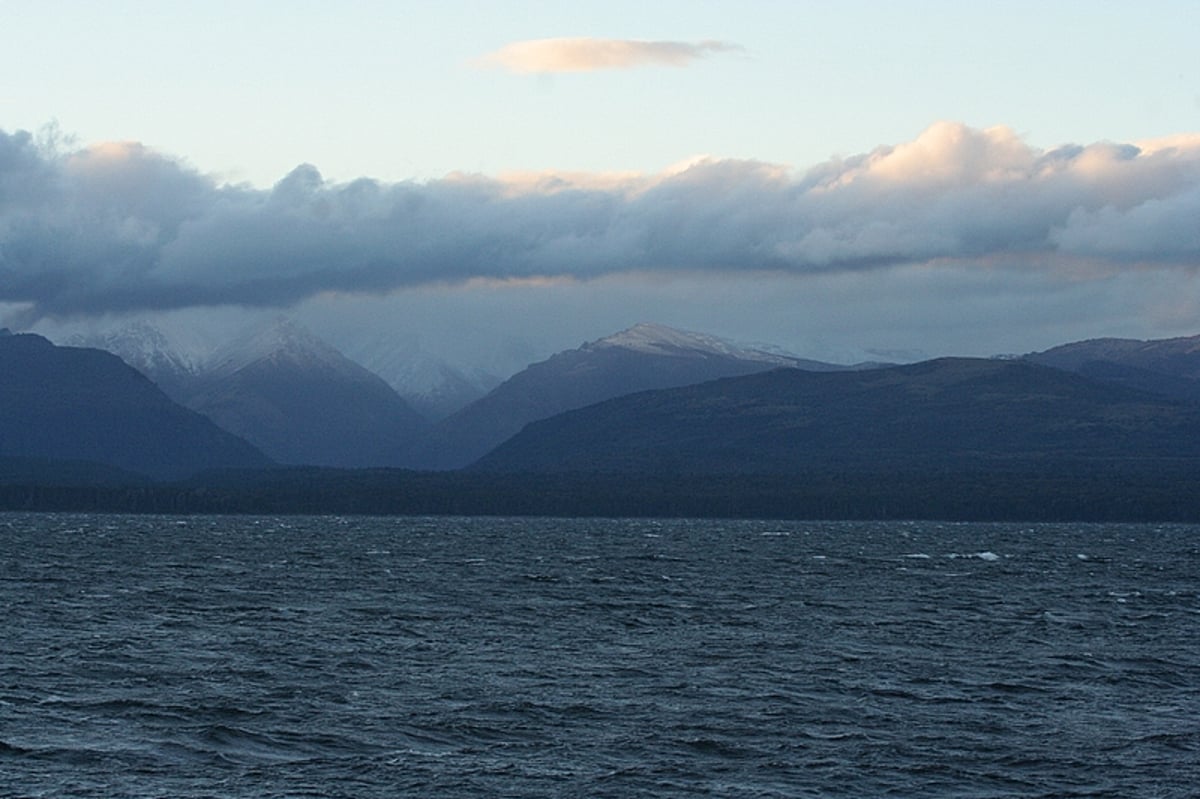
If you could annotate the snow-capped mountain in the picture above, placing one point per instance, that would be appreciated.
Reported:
(1168, 367)
(653, 339)
(448, 391)
(301, 401)
(432, 386)
(288, 392)
(1174, 356)
(149, 350)
(946, 416)
(280, 342)
(646, 356)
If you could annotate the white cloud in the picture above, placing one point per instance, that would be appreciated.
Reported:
(1156, 229)
(115, 228)
(582, 54)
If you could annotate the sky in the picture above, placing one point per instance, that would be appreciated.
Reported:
(489, 183)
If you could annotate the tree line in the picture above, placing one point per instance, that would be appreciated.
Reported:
(1137, 492)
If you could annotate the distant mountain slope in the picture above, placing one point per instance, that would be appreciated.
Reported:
(640, 358)
(444, 391)
(151, 352)
(431, 386)
(303, 402)
(1169, 367)
(937, 414)
(67, 403)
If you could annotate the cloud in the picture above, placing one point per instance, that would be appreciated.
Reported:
(121, 227)
(588, 55)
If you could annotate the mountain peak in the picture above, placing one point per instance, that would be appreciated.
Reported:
(281, 340)
(144, 347)
(654, 339)
(641, 358)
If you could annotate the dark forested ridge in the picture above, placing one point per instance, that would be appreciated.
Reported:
(1163, 490)
(1167, 367)
(77, 404)
(960, 414)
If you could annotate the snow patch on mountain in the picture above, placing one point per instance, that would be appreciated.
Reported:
(655, 339)
(432, 385)
(146, 348)
(281, 341)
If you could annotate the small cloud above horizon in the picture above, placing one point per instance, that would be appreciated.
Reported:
(584, 54)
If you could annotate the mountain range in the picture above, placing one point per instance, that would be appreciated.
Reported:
(649, 400)
(1167, 367)
(281, 388)
(641, 358)
(947, 413)
(301, 401)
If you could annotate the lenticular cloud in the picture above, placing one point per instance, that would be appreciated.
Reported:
(120, 227)
(588, 54)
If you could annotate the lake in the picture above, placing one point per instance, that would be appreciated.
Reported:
(153, 656)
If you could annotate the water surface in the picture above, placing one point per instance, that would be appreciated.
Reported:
(367, 657)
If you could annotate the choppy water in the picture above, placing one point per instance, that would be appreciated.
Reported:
(263, 657)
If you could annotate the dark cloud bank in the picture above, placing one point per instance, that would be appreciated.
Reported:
(119, 227)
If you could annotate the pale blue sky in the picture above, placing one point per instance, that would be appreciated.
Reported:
(248, 90)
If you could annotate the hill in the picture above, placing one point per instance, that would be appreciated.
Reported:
(945, 414)
(1167, 367)
(643, 357)
(302, 402)
(77, 404)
